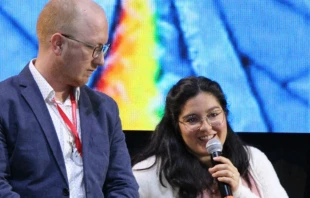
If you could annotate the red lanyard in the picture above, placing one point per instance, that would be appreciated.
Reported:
(70, 125)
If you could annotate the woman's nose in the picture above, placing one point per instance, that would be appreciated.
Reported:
(205, 125)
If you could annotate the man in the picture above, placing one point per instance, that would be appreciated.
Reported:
(59, 138)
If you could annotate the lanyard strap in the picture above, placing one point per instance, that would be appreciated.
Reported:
(70, 125)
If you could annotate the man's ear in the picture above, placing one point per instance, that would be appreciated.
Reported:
(57, 42)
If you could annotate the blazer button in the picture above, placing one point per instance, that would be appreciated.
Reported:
(65, 192)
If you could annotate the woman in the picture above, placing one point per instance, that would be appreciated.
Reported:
(176, 163)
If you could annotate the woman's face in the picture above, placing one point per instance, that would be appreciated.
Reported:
(195, 119)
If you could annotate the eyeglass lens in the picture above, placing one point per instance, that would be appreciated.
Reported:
(101, 49)
(213, 119)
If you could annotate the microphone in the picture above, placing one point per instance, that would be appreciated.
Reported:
(214, 148)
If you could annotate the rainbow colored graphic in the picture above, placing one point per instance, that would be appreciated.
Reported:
(131, 67)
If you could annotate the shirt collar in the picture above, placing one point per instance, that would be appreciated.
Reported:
(46, 90)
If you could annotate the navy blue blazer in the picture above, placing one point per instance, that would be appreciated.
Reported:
(31, 160)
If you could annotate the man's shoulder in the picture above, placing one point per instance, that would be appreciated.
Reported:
(15, 81)
(6, 82)
(8, 86)
(94, 93)
(97, 97)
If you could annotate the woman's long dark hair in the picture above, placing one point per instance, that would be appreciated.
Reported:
(182, 169)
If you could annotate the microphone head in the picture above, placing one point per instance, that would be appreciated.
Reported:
(214, 145)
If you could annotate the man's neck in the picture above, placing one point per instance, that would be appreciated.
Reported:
(62, 95)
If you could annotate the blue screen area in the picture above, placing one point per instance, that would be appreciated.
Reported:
(257, 50)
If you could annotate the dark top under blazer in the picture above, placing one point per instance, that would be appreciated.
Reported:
(31, 159)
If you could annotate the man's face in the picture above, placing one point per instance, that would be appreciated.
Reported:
(78, 61)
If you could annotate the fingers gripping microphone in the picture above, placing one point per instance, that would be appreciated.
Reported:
(214, 148)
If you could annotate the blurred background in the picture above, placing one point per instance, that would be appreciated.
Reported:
(258, 51)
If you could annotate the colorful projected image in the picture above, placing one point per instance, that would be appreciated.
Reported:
(257, 50)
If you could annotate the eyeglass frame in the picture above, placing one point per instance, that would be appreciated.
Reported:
(103, 48)
(205, 118)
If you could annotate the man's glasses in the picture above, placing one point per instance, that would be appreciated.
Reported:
(194, 122)
(97, 50)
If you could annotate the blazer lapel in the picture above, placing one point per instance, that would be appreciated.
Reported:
(87, 120)
(33, 96)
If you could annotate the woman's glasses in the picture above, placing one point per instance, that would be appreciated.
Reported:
(194, 122)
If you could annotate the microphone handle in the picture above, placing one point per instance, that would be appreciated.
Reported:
(224, 188)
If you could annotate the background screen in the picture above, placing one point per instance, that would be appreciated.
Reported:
(257, 50)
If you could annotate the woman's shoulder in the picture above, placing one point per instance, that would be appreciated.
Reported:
(145, 164)
(255, 153)
(258, 158)
(254, 150)
(264, 174)
(146, 173)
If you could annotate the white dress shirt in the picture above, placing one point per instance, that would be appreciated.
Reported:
(73, 161)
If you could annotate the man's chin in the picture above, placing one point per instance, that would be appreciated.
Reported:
(79, 83)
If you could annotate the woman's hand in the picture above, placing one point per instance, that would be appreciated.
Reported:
(226, 172)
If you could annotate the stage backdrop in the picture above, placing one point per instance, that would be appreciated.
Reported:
(258, 50)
